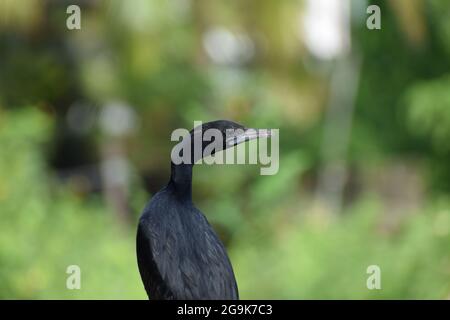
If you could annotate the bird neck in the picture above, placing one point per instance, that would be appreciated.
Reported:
(181, 180)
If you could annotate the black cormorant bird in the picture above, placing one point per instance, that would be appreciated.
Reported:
(179, 255)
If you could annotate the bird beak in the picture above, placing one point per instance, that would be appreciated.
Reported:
(247, 135)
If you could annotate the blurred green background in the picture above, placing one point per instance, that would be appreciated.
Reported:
(364, 118)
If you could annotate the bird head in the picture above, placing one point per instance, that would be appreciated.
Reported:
(223, 134)
(208, 138)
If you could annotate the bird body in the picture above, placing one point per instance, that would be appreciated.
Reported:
(179, 254)
(177, 264)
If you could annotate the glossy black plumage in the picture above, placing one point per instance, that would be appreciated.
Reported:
(176, 263)
(179, 254)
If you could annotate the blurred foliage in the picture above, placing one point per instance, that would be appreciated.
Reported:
(153, 58)
(306, 259)
(45, 229)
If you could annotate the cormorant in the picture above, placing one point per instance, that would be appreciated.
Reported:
(179, 255)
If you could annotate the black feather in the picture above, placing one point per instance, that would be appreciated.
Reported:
(179, 254)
